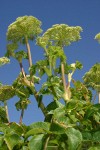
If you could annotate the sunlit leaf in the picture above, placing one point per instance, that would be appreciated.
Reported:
(3, 116)
(74, 138)
(18, 129)
(34, 132)
(36, 142)
(42, 125)
(6, 92)
(11, 140)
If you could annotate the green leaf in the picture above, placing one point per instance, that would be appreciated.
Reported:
(6, 92)
(56, 52)
(58, 92)
(36, 79)
(11, 47)
(78, 65)
(11, 140)
(5, 129)
(52, 106)
(87, 136)
(48, 72)
(73, 118)
(34, 132)
(22, 104)
(18, 129)
(22, 92)
(74, 138)
(36, 142)
(96, 136)
(3, 116)
(24, 148)
(97, 117)
(57, 128)
(41, 125)
(21, 55)
(94, 148)
(1, 140)
(58, 112)
(92, 77)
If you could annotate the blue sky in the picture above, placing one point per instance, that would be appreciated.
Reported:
(84, 13)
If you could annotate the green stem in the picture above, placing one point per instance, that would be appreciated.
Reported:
(46, 143)
(63, 77)
(33, 88)
(21, 116)
(46, 52)
(6, 109)
(50, 67)
(29, 57)
(29, 52)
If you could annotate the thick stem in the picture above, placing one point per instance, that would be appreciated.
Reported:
(29, 53)
(67, 92)
(63, 77)
(6, 109)
(99, 96)
(32, 80)
(21, 116)
(29, 56)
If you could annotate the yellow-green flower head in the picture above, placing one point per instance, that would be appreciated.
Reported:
(62, 34)
(26, 26)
